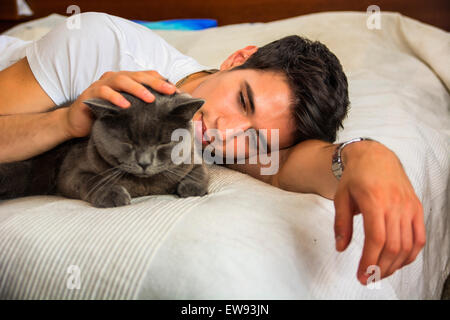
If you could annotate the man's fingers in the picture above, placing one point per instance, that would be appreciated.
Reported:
(375, 235)
(343, 221)
(392, 246)
(419, 236)
(154, 80)
(406, 244)
(106, 93)
(123, 82)
(133, 83)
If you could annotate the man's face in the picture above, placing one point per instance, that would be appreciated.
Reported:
(228, 105)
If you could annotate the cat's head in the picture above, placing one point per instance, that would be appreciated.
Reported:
(138, 139)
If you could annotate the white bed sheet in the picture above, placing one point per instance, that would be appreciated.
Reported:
(247, 239)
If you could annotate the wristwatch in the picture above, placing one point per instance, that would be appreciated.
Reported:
(337, 166)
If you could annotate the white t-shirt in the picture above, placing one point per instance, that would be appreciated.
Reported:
(66, 61)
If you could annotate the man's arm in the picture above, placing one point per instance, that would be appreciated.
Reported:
(373, 184)
(25, 130)
(23, 136)
(20, 92)
(304, 168)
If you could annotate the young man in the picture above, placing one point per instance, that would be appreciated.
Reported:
(293, 85)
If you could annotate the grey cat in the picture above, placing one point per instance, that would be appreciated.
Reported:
(128, 154)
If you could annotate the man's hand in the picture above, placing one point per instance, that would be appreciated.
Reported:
(79, 119)
(375, 185)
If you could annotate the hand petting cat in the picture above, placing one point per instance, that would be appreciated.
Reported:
(128, 153)
(79, 117)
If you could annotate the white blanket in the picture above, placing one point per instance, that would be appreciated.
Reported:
(247, 239)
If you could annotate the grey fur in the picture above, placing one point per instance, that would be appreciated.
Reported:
(128, 154)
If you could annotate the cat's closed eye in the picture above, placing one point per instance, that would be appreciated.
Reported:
(127, 147)
(164, 151)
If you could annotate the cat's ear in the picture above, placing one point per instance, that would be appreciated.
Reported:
(100, 107)
(187, 108)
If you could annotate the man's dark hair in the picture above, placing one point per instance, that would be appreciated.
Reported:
(316, 79)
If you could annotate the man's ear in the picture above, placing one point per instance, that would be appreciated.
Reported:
(238, 57)
(100, 107)
(187, 109)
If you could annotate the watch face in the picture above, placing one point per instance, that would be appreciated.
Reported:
(336, 165)
(337, 169)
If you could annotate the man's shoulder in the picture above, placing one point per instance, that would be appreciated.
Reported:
(134, 39)
(97, 22)
(133, 47)
(99, 25)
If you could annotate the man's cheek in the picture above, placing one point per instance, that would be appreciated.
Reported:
(237, 150)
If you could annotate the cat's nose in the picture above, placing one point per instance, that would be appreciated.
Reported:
(144, 159)
(144, 165)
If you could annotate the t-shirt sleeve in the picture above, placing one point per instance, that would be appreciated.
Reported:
(67, 60)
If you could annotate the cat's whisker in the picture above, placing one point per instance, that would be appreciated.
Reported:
(126, 166)
(173, 179)
(194, 173)
(112, 181)
(196, 176)
(104, 172)
(117, 178)
(98, 184)
(174, 173)
(109, 181)
(190, 175)
(102, 182)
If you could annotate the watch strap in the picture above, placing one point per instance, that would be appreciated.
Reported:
(337, 165)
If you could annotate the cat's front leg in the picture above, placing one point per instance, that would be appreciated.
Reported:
(195, 183)
(100, 192)
(111, 196)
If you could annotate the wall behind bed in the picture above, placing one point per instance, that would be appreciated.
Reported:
(435, 12)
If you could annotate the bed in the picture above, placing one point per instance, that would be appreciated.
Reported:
(246, 239)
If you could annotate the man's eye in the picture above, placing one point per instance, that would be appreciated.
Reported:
(242, 101)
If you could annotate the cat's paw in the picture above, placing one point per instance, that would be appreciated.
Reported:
(191, 188)
(114, 196)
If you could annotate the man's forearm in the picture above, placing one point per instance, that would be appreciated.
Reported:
(23, 136)
(307, 169)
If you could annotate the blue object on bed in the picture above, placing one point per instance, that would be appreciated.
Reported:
(179, 24)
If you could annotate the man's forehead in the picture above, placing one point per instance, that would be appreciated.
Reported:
(272, 103)
(270, 87)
